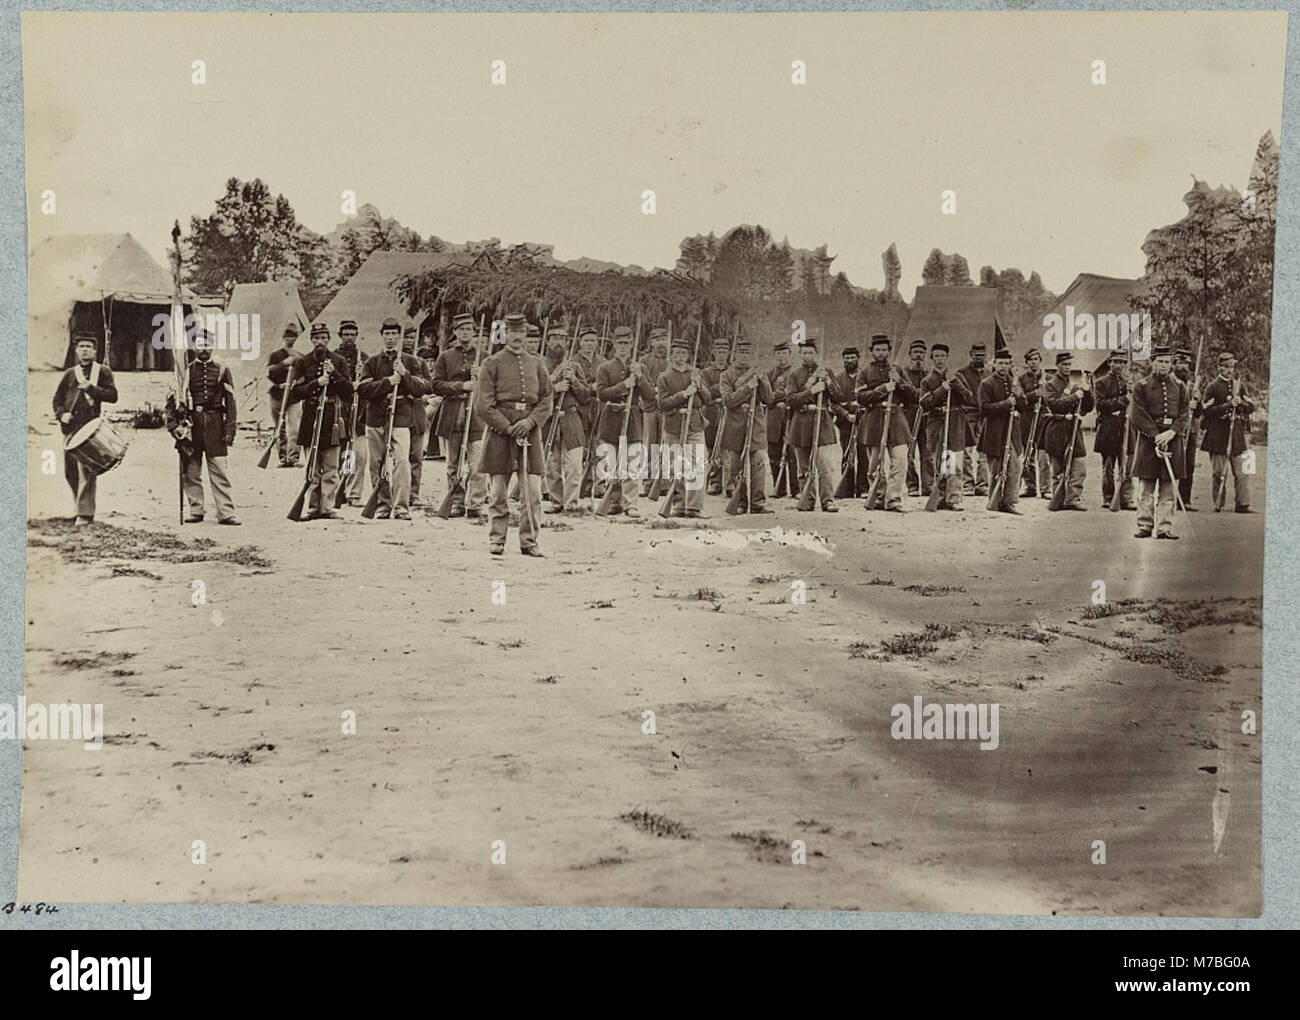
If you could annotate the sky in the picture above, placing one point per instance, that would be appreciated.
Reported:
(1051, 172)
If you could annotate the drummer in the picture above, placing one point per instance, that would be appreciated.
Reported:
(77, 400)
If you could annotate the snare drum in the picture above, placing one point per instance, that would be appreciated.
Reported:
(97, 445)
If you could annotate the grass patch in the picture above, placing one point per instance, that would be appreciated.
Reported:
(885, 582)
(96, 661)
(920, 643)
(705, 595)
(101, 542)
(929, 590)
(601, 604)
(659, 826)
(511, 643)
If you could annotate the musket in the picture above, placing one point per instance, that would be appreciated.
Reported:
(322, 398)
(559, 408)
(588, 463)
(808, 499)
(666, 508)
(372, 504)
(999, 486)
(603, 507)
(733, 504)
(184, 424)
(525, 489)
(849, 461)
(444, 510)
(349, 447)
(1031, 448)
(879, 474)
(280, 418)
(937, 483)
(1058, 493)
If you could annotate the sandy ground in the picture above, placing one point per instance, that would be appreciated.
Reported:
(523, 723)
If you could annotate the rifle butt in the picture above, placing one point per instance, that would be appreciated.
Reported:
(295, 511)
(265, 460)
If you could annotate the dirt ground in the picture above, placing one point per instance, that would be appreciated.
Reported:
(522, 722)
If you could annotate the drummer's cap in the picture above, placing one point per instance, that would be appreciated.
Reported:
(320, 329)
(390, 325)
(347, 327)
(463, 319)
(85, 337)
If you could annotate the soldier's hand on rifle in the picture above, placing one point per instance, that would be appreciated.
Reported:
(324, 380)
(891, 386)
(65, 417)
(521, 428)
(562, 386)
(752, 382)
(84, 384)
(817, 387)
(1166, 437)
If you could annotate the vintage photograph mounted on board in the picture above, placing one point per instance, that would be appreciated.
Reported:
(798, 460)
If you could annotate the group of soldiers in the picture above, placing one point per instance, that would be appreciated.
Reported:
(524, 424)
(797, 428)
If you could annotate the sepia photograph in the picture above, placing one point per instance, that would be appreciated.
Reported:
(807, 461)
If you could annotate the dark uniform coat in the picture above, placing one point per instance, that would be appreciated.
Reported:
(513, 387)
(1032, 383)
(612, 394)
(653, 366)
(803, 406)
(572, 434)
(933, 399)
(307, 389)
(277, 369)
(776, 377)
(997, 398)
(1056, 436)
(1216, 409)
(912, 399)
(972, 377)
(870, 387)
(1157, 405)
(376, 389)
(83, 405)
(670, 394)
(355, 360)
(590, 405)
(1112, 414)
(212, 397)
(451, 370)
(736, 401)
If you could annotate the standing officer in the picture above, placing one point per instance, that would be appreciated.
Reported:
(514, 399)
(212, 401)
(1158, 410)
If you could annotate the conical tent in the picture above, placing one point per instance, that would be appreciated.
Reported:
(1094, 303)
(956, 316)
(96, 282)
(276, 305)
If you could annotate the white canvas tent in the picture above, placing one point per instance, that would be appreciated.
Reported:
(94, 282)
(1101, 298)
(276, 304)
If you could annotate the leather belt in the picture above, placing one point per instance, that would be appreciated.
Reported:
(517, 405)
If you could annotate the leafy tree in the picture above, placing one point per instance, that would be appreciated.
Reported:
(935, 270)
(893, 268)
(250, 237)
